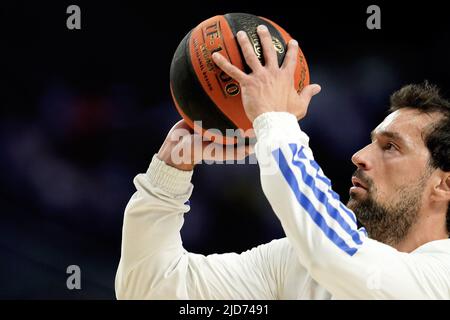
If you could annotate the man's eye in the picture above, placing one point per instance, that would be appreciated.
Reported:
(389, 146)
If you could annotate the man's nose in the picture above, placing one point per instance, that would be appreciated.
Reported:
(361, 158)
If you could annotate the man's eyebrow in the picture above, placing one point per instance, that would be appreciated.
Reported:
(389, 134)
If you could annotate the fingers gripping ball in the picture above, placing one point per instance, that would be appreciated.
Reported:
(203, 92)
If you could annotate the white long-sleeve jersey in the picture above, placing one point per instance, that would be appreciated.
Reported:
(324, 255)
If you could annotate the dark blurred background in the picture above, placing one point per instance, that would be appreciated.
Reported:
(83, 111)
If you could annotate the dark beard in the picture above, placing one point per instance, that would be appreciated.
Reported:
(390, 223)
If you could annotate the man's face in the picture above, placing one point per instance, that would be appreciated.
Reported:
(392, 175)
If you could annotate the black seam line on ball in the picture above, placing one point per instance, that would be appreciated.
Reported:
(248, 23)
(185, 77)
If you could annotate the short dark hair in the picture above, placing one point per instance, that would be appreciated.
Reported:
(425, 97)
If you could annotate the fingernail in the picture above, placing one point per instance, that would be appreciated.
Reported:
(294, 42)
(241, 34)
(262, 27)
(316, 89)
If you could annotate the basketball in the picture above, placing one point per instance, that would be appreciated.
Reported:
(203, 92)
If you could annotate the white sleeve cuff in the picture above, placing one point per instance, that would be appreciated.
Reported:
(167, 178)
(279, 126)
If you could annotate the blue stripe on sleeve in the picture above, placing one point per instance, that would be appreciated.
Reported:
(308, 206)
(327, 181)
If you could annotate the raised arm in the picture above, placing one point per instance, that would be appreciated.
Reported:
(154, 264)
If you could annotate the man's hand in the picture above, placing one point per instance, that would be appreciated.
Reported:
(183, 149)
(269, 87)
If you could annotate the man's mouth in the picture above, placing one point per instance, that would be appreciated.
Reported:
(357, 183)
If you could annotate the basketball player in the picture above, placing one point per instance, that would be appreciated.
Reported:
(400, 194)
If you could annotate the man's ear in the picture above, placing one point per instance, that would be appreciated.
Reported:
(447, 182)
(442, 189)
